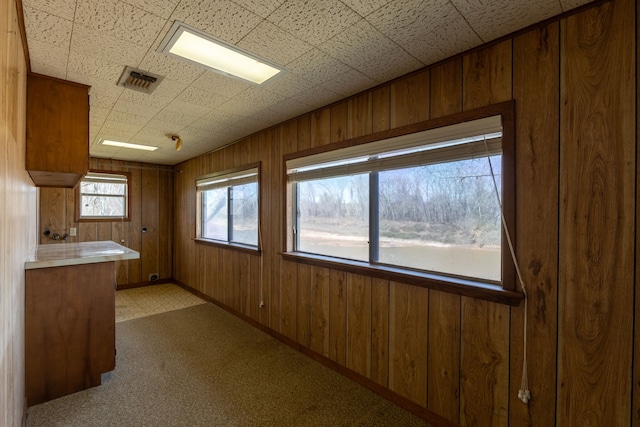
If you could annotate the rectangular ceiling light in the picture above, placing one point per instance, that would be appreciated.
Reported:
(128, 145)
(194, 45)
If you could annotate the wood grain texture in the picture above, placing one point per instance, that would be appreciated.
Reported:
(360, 115)
(288, 299)
(380, 331)
(19, 230)
(150, 220)
(597, 167)
(338, 316)
(339, 122)
(320, 128)
(359, 324)
(319, 330)
(443, 355)
(537, 104)
(484, 365)
(381, 100)
(69, 329)
(410, 99)
(304, 305)
(57, 131)
(446, 88)
(487, 76)
(408, 325)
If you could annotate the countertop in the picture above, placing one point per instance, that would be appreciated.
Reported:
(63, 254)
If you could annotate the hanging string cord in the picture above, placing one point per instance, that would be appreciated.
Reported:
(261, 262)
(523, 394)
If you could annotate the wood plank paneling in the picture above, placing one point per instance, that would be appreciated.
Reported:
(339, 122)
(320, 128)
(338, 316)
(537, 189)
(446, 88)
(380, 331)
(359, 324)
(410, 99)
(597, 186)
(319, 333)
(443, 356)
(484, 371)
(381, 100)
(360, 119)
(150, 220)
(304, 305)
(408, 323)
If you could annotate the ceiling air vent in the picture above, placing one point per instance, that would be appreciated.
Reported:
(139, 80)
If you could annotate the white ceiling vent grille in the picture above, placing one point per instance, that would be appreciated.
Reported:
(139, 80)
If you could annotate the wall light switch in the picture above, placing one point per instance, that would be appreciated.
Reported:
(73, 231)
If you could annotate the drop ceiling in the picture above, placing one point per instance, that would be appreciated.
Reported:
(331, 49)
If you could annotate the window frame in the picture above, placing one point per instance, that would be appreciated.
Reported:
(78, 194)
(502, 293)
(237, 246)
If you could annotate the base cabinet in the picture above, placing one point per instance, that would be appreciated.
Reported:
(69, 329)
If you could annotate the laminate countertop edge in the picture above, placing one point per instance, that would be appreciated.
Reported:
(66, 254)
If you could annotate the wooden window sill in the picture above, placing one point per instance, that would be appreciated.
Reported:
(252, 250)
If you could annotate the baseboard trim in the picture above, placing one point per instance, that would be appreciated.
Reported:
(391, 396)
(143, 284)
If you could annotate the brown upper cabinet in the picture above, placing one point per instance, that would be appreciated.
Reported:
(57, 131)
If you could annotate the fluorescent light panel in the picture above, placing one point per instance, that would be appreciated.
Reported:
(128, 145)
(194, 45)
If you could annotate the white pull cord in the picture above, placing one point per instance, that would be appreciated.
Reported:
(523, 394)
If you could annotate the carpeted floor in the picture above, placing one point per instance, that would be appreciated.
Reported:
(201, 366)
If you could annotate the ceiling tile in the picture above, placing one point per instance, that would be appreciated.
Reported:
(169, 88)
(51, 29)
(134, 119)
(499, 17)
(174, 117)
(314, 21)
(317, 96)
(219, 18)
(365, 7)
(260, 7)
(274, 44)
(48, 59)
(120, 20)
(162, 8)
(62, 8)
(136, 108)
(121, 126)
(317, 66)
(94, 66)
(171, 68)
(251, 101)
(571, 4)
(101, 101)
(92, 42)
(115, 133)
(351, 83)
(367, 50)
(290, 84)
(218, 83)
(155, 101)
(98, 86)
(201, 97)
(429, 30)
(194, 111)
(99, 113)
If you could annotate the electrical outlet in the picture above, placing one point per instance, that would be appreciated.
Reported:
(73, 231)
(153, 277)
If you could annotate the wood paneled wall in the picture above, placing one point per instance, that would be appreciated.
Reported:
(151, 197)
(574, 82)
(17, 215)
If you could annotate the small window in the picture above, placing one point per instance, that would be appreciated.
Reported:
(228, 207)
(103, 196)
(424, 203)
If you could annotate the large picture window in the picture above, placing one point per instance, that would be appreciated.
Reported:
(103, 196)
(426, 203)
(228, 207)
